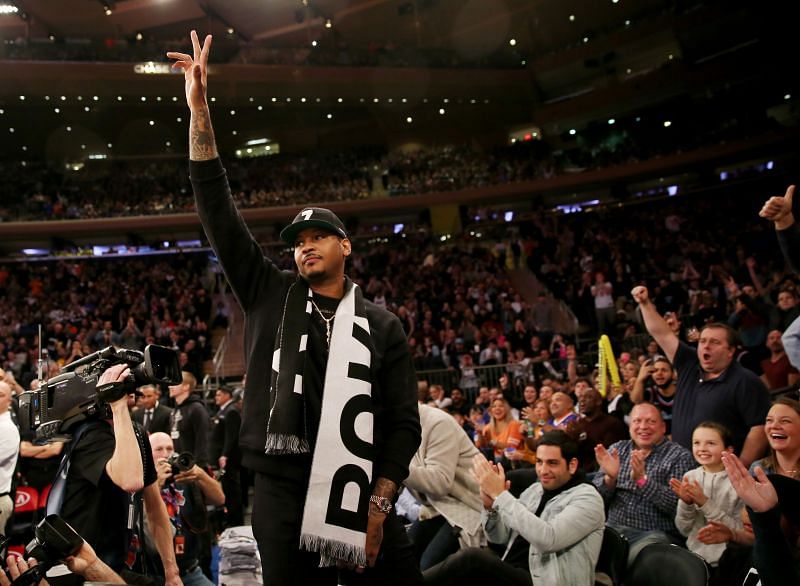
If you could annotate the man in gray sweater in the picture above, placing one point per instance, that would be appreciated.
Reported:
(552, 533)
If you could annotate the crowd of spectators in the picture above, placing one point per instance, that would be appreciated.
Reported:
(37, 190)
(84, 306)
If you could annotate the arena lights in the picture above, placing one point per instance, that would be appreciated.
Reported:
(512, 42)
(11, 130)
(57, 110)
(409, 120)
(22, 98)
(787, 96)
(611, 121)
(107, 10)
(572, 131)
(667, 123)
(330, 116)
(328, 23)
(139, 36)
(340, 100)
(260, 108)
(8, 9)
(230, 30)
(441, 111)
(314, 43)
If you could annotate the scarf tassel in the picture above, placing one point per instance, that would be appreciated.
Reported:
(332, 552)
(283, 443)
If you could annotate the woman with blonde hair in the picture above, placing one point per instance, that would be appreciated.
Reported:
(501, 433)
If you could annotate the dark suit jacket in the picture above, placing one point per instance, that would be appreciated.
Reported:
(159, 422)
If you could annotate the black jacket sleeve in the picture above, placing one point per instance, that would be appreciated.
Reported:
(789, 240)
(398, 420)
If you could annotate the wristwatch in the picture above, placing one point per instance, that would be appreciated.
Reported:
(384, 505)
(642, 481)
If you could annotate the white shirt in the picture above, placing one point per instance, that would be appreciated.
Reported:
(9, 450)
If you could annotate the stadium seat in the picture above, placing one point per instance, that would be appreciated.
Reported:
(662, 564)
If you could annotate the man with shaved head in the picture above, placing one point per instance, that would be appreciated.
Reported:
(635, 480)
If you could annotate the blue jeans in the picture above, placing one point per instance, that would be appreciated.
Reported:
(196, 578)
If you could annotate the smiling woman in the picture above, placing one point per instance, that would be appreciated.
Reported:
(783, 434)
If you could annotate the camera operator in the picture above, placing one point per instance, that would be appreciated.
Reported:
(84, 563)
(107, 471)
(186, 493)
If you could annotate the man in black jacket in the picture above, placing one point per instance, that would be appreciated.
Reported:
(189, 421)
(151, 414)
(225, 454)
(332, 438)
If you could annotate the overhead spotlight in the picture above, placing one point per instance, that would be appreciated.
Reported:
(512, 42)
(51, 36)
(328, 23)
(8, 9)
(230, 30)
(572, 131)
(667, 123)
(330, 116)
(409, 120)
(787, 96)
(139, 36)
(152, 123)
(441, 111)
(572, 18)
(313, 43)
(107, 10)
(611, 121)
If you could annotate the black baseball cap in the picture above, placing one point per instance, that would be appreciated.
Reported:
(313, 218)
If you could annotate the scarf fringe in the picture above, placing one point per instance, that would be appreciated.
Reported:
(282, 443)
(332, 551)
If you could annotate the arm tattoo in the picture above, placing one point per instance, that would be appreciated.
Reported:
(202, 146)
(385, 488)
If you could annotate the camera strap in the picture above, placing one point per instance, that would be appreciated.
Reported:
(56, 497)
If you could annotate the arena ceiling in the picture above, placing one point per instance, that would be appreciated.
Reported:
(573, 58)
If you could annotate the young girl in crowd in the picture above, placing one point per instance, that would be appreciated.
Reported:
(706, 495)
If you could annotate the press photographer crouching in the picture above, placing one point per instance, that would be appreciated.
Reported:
(54, 542)
(186, 489)
(108, 471)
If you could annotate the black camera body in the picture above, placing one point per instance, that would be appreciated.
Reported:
(54, 540)
(182, 462)
(73, 396)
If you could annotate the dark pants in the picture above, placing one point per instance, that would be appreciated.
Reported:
(478, 567)
(434, 540)
(277, 517)
(232, 487)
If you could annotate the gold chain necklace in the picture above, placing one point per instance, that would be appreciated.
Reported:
(327, 320)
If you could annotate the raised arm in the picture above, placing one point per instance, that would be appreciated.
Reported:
(125, 468)
(655, 324)
(202, 145)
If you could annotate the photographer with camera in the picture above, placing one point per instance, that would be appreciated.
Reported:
(83, 562)
(186, 489)
(102, 480)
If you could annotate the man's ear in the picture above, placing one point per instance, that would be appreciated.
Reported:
(573, 466)
(347, 246)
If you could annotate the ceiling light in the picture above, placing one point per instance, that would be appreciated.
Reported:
(139, 36)
(86, 108)
(22, 98)
(572, 132)
(69, 128)
(328, 23)
(230, 30)
(667, 123)
(787, 96)
(119, 98)
(57, 110)
(512, 42)
(233, 133)
(340, 100)
(441, 110)
(152, 123)
(108, 10)
(260, 108)
(611, 121)
(330, 116)
(95, 98)
(313, 43)
(572, 18)
(109, 145)
(8, 9)
(144, 98)
(233, 112)
(409, 120)
(179, 119)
